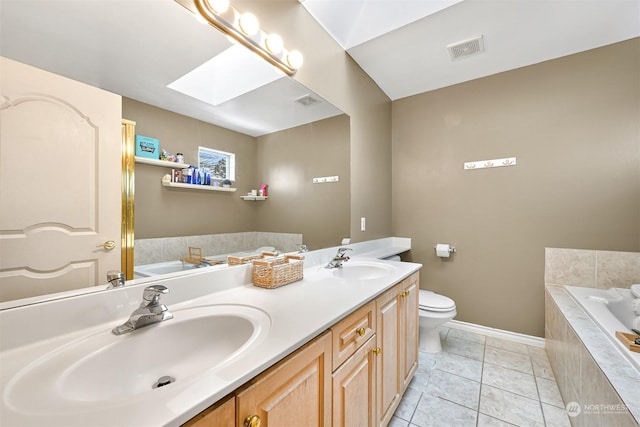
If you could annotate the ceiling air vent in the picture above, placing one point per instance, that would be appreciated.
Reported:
(307, 100)
(466, 48)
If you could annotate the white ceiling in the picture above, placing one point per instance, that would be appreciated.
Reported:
(411, 57)
(138, 48)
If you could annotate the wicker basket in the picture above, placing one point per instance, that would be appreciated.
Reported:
(237, 260)
(277, 272)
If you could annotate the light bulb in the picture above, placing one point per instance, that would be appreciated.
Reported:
(274, 43)
(219, 6)
(249, 24)
(295, 59)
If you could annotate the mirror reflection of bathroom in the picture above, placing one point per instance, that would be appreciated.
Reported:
(276, 129)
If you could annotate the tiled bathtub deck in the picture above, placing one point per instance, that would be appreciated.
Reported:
(482, 381)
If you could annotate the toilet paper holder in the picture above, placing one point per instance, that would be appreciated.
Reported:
(452, 249)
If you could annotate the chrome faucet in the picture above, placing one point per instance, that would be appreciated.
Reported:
(115, 278)
(204, 263)
(340, 257)
(302, 249)
(150, 311)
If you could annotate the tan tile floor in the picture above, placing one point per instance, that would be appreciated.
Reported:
(482, 381)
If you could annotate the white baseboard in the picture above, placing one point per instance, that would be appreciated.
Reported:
(496, 333)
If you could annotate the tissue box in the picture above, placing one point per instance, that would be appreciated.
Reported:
(147, 147)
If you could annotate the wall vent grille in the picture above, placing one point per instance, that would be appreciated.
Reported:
(307, 100)
(466, 48)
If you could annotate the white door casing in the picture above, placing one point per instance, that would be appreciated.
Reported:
(60, 182)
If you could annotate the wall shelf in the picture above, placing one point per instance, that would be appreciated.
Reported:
(197, 187)
(161, 163)
(256, 198)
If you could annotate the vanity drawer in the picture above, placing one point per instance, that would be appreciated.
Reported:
(352, 332)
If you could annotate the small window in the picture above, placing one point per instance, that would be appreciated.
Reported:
(220, 164)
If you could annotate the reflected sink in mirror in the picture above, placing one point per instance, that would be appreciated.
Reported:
(361, 270)
(104, 368)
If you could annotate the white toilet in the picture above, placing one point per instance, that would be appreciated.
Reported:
(434, 310)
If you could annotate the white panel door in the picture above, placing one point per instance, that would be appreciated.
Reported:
(60, 174)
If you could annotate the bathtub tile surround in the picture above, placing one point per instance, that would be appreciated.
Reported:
(472, 388)
(592, 269)
(162, 249)
(588, 368)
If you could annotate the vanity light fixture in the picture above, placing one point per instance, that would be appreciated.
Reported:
(245, 28)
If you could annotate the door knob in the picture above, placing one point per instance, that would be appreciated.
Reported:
(108, 245)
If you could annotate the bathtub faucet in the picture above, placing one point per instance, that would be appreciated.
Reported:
(204, 263)
(340, 257)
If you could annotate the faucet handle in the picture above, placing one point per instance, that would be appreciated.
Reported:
(115, 278)
(152, 294)
(342, 251)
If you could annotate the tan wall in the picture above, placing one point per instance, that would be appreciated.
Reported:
(332, 74)
(573, 125)
(165, 212)
(288, 161)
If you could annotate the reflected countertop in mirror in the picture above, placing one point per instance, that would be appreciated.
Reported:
(101, 43)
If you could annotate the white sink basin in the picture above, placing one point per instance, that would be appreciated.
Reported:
(361, 270)
(103, 368)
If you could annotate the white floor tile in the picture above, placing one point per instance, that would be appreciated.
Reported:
(466, 335)
(510, 380)
(487, 421)
(507, 345)
(510, 407)
(555, 417)
(459, 365)
(464, 348)
(456, 389)
(508, 359)
(549, 392)
(436, 412)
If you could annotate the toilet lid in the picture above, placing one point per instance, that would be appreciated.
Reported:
(434, 302)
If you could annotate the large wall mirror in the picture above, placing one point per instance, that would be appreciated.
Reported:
(153, 53)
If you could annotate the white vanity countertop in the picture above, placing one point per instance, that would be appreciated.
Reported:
(298, 312)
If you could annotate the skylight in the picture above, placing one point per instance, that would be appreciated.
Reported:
(232, 73)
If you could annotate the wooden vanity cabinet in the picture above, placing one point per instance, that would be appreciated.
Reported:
(397, 335)
(296, 391)
(222, 414)
(352, 375)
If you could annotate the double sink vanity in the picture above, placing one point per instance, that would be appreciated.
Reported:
(339, 345)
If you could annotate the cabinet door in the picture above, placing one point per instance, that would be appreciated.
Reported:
(354, 389)
(409, 326)
(297, 391)
(220, 415)
(388, 363)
